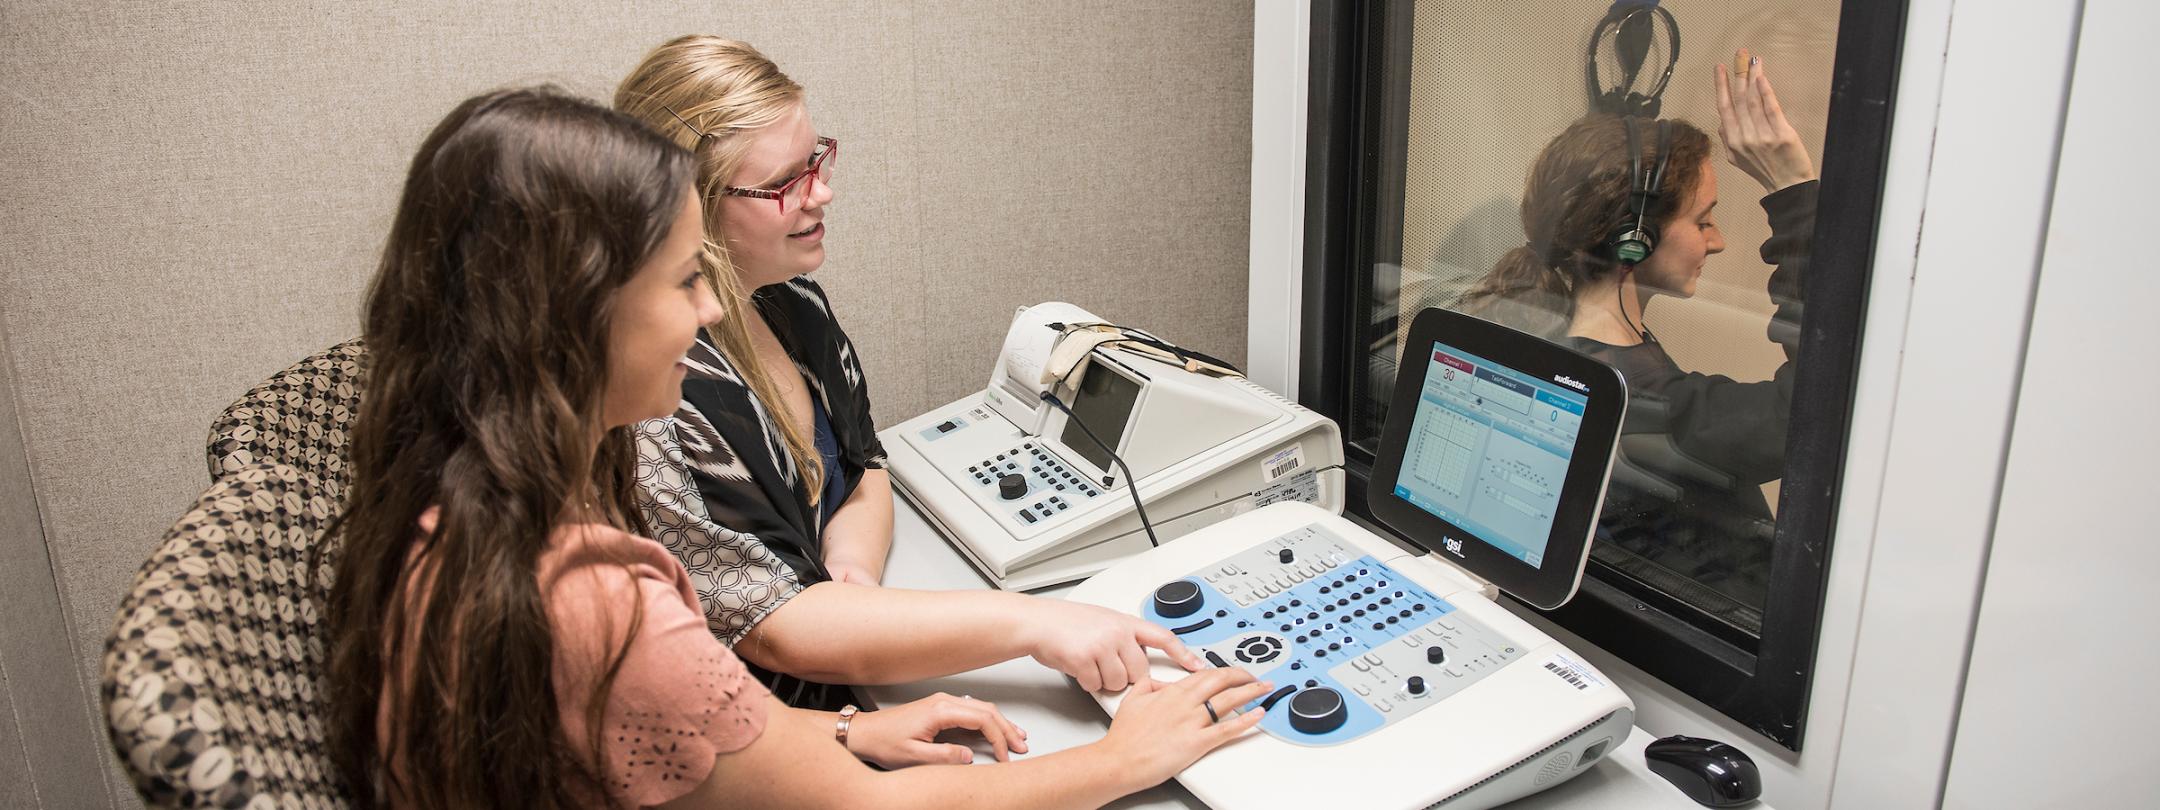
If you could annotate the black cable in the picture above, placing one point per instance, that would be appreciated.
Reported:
(1132, 485)
(1621, 299)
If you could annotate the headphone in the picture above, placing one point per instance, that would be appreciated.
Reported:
(1628, 28)
(1631, 240)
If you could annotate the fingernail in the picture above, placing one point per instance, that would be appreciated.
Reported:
(1753, 60)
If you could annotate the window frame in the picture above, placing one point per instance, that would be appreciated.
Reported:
(1355, 130)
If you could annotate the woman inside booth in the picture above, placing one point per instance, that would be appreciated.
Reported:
(1618, 211)
(767, 481)
(502, 633)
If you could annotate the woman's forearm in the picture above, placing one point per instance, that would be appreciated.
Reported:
(837, 632)
(795, 762)
(860, 534)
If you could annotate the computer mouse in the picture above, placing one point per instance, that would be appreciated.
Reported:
(1710, 772)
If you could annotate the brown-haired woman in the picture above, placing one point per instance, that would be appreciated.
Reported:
(501, 635)
(787, 552)
(1569, 283)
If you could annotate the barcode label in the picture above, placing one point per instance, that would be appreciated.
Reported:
(1576, 673)
(1281, 463)
(1566, 675)
(1304, 487)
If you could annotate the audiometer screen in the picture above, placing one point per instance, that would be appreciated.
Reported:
(1104, 403)
(1488, 450)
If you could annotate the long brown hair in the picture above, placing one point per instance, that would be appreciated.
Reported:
(1573, 201)
(523, 215)
(728, 90)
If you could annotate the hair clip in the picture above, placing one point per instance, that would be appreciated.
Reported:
(685, 122)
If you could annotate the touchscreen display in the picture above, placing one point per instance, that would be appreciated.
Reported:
(1488, 450)
(1104, 403)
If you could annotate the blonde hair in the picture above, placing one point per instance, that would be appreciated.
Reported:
(726, 89)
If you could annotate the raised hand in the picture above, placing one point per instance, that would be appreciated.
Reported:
(1757, 137)
(1102, 649)
(904, 735)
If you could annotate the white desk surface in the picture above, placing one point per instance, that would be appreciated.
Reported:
(1057, 715)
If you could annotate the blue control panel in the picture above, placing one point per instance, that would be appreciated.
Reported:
(1351, 645)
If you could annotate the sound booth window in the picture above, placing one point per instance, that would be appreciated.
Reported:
(1638, 182)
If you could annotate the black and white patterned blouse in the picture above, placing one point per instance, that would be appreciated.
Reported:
(720, 489)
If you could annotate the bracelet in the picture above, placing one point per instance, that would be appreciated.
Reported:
(840, 728)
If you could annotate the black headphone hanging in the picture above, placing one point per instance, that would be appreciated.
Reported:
(1631, 240)
(1631, 28)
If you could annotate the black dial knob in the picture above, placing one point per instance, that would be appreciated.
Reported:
(1177, 599)
(1011, 486)
(1416, 686)
(1318, 710)
(1285, 556)
(1434, 654)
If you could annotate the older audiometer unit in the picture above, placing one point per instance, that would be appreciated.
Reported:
(1401, 682)
(1032, 478)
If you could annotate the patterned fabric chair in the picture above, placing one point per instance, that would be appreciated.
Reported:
(301, 416)
(212, 682)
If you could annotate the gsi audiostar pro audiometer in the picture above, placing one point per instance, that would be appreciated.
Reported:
(1013, 477)
(1402, 683)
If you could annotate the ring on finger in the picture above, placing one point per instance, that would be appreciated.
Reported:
(1212, 717)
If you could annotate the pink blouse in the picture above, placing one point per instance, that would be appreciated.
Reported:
(681, 697)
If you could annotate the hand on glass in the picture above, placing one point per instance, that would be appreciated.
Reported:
(1757, 137)
(904, 735)
(1102, 649)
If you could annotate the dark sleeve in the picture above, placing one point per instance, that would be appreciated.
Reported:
(1740, 428)
(868, 452)
(1792, 231)
(847, 387)
(738, 576)
(733, 454)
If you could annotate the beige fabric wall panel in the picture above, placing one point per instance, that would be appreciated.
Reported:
(195, 195)
(1101, 158)
(39, 689)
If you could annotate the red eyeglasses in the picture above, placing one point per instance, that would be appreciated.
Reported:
(795, 193)
(797, 188)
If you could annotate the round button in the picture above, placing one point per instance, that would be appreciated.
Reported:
(1177, 598)
(1011, 486)
(1318, 710)
(1416, 686)
(1285, 556)
(1434, 654)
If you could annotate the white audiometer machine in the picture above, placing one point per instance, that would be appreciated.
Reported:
(1401, 683)
(1031, 499)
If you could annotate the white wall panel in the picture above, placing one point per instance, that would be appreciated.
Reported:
(1993, 161)
(2059, 707)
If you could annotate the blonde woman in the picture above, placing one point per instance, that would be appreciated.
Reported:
(768, 481)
